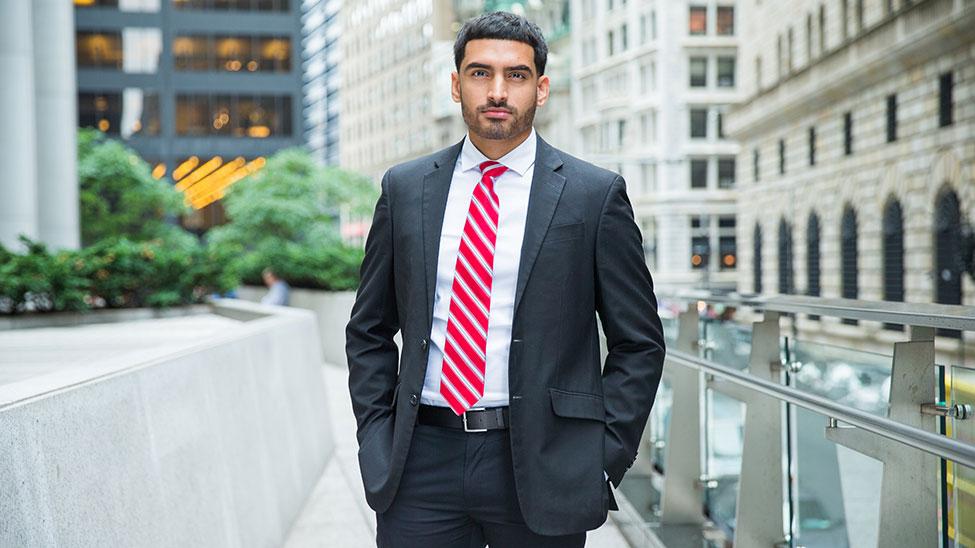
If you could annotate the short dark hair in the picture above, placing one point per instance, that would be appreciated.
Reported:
(502, 25)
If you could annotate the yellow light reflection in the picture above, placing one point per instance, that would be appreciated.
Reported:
(208, 183)
(103, 125)
(201, 172)
(219, 186)
(159, 171)
(185, 167)
(258, 131)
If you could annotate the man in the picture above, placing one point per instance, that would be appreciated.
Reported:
(491, 258)
(278, 290)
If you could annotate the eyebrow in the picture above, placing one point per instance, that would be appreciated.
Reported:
(475, 65)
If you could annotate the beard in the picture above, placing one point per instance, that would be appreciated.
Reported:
(499, 130)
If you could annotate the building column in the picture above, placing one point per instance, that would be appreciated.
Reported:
(18, 191)
(56, 116)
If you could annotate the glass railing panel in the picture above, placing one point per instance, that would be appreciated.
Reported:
(727, 342)
(961, 479)
(856, 378)
(725, 436)
(643, 483)
(670, 328)
(837, 494)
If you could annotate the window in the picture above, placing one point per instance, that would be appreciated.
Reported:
(124, 5)
(238, 5)
(234, 115)
(620, 132)
(643, 29)
(786, 273)
(822, 29)
(726, 72)
(727, 243)
(699, 123)
(755, 165)
(809, 35)
(813, 288)
(232, 53)
(812, 145)
(720, 121)
(649, 173)
(609, 43)
(700, 242)
(781, 156)
(757, 259)
(893, 255)
(891, 118)
(778, 57)
(699, 173)
(859, 15)
(698, 22)
(699, 72)
(790, 37)
(945, 106)
(845, 19)
(132, 112)
(848, 133)
(849, 258)
(726, 21)
(623, 38)
(758, 73)
(948, 266)
(131, 50)
(726, 172)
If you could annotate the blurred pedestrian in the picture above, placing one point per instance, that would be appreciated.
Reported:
(279, 292)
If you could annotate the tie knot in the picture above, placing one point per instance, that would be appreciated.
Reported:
(492, 169)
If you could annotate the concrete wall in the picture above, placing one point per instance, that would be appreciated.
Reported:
(216, 446)
(331, 308)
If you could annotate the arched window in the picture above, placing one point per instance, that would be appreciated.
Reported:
(947, 251)
(786, 273)
(849, 257)
(893, 255)
(813, 286)
(757, 258)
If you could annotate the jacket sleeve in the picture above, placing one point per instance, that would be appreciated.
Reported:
(372, 354)
(634, 336)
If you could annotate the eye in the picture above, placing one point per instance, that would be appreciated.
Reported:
(519, 75)
(479, 73)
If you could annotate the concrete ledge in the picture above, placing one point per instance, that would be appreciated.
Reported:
(218, 444)
(332, 308)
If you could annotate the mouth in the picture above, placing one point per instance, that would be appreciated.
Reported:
(497, 114)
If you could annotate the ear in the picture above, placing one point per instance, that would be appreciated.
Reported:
(455, 86)
(543, 90)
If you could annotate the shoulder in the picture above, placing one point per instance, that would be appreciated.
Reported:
(580, 172)
(412, 170)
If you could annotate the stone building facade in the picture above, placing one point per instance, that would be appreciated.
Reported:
(857, 163)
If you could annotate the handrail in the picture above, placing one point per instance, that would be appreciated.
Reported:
(934, 444)
(942, 316)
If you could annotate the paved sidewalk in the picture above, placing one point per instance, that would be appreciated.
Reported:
(336, 514)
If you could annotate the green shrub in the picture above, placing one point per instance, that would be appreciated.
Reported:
(286, 217)
(113, 273)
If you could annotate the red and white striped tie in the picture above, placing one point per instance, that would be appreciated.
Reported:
(465, 351)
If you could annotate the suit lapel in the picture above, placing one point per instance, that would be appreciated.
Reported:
(544, 195)
(436, 185)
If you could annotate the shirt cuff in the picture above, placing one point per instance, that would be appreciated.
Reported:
(606, 475)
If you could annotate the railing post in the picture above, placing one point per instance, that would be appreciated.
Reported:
(681, 501)
(759, 519)
(909, 492)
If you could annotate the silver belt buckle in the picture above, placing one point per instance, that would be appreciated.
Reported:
(466, 429)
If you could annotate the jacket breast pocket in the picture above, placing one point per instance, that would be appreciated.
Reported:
(565, 232)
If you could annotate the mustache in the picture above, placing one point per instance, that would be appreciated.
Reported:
(491, 105)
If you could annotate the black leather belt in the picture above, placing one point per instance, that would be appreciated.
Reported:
(474, 420)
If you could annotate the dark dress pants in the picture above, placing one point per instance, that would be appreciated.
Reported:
(458, 491)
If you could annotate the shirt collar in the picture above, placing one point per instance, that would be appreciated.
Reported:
(518, 160)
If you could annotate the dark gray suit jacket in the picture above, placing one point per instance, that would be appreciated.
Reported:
(570, 420)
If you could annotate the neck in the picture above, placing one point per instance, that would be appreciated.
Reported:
(497, 148)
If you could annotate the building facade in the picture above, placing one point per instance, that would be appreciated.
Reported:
(858, 151)
(322, 82)
(194, 86)
(651, 82)
(397, 60)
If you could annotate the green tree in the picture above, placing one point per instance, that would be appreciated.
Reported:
(286, 216)
(119, 196)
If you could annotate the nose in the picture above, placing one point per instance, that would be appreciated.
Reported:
(498, 91)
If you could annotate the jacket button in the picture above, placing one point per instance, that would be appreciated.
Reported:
(414, 399)
(423, 344)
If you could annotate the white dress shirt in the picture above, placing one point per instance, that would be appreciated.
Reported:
(512, 188)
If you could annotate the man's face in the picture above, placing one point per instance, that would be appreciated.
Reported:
(498, 88)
